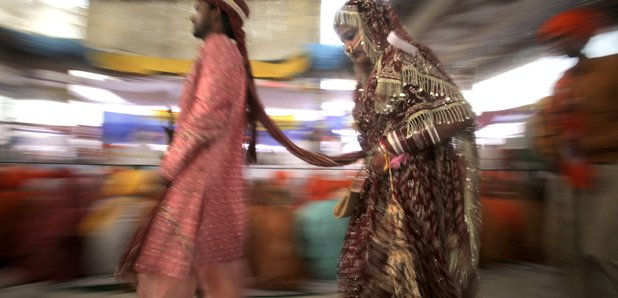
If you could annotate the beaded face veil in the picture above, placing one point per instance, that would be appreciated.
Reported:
(370, 17)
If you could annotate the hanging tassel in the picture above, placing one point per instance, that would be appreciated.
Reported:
(434, 85)
(346, 17)
(426, 121)
(389, 87)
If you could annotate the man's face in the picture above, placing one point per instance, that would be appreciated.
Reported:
(352, 39)
(203, 19)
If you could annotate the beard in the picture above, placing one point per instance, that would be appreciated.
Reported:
(199, 32)
(201, 29)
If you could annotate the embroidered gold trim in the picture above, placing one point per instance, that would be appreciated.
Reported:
(426, 120)
(458, 111)
(434, 86)
(424, 82)
(389, 87)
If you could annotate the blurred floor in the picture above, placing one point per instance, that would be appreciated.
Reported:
(498, 281)
(521, 280)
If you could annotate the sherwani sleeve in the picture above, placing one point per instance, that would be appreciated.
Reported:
(206, 118)
(426, 125)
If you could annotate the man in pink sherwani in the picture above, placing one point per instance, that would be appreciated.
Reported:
(197, 236)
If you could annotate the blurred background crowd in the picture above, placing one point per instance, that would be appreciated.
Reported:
(88, 88)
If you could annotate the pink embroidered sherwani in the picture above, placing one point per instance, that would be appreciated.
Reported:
(202, 217)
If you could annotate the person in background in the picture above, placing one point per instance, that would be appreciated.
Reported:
(580, 138)
(415, 229)
(197, 236)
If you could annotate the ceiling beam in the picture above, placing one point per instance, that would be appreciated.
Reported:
(418, 18)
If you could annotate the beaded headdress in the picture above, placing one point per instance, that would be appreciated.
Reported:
(415, 64)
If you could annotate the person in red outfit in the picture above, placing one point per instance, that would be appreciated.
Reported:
(197, 235)
(581, 140)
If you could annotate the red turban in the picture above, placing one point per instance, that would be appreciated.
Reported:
(579, 23)
(233, 8)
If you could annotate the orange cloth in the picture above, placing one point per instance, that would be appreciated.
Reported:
(318, 188)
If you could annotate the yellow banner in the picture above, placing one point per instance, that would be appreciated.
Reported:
(284, 122)
(145, 65)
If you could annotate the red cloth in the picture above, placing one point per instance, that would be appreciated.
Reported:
(202, 217)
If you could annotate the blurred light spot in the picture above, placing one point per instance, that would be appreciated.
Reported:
(603, 44)
(299, 114)
(338, 106)
(327, 15)
(351, 147)
(529, 83)
(501, 130)
(345, 132)
(88, 75)
(518, 87)
(269, 148)
(54, 113)
(338, 84)
(96, 94)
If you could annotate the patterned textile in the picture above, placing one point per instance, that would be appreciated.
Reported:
(415, 232)
(202, 217)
